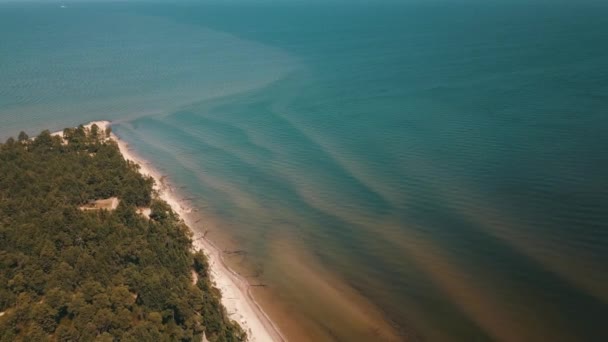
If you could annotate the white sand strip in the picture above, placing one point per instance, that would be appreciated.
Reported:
(236, 292)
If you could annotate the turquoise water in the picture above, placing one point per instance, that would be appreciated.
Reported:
(431, 172)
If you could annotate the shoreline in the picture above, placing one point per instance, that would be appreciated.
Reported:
(236, 291)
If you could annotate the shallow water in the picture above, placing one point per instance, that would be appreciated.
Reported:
(423, 172)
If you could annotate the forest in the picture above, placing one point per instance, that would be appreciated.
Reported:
(68, 274)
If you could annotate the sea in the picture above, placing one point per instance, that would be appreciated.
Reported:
(421, 171)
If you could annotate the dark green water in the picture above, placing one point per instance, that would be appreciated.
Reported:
(442, 168)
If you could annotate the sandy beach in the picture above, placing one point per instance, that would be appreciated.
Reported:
(236, 294)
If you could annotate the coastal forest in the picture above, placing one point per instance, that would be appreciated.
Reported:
(74, 271)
